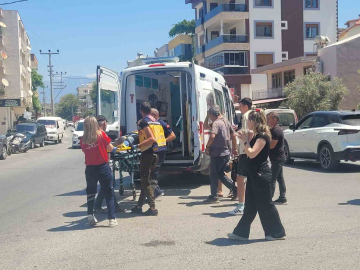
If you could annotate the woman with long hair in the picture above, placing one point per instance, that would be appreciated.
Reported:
(95, 144)
(258, 197)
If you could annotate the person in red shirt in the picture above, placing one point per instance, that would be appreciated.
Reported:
(95, 144)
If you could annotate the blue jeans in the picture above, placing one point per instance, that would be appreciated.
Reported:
(103, 174)
(100, 198)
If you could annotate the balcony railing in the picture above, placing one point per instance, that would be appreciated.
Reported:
(222, 8)
(226, 39)
(200, 49)
(267, 93)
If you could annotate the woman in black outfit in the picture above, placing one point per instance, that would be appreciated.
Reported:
(258, 197)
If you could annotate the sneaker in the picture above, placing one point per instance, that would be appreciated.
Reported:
(92, 220)
(233, 236)
(150, 212)
(274, 237)
(113, 223)
(136, 210)
(239, 210)
(211, 200)
(280, 201)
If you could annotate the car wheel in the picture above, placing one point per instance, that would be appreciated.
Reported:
(60, 140)
(9, 151)
(57, 141)
(288, 159)
(42, 144)
(32, 146)
(3, 154)
(327, 159)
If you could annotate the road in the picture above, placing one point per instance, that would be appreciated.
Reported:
(44, 225)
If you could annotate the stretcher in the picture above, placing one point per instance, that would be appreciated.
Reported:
(126, 159)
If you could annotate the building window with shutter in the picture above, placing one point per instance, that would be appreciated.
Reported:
(277, 80)
(264, 29)
(312, 4)
(312, 30)
(264, 59)
(289, 76)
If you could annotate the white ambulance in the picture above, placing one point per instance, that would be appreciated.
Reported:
(182, 92)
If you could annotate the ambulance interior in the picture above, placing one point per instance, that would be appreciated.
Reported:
(170, 92)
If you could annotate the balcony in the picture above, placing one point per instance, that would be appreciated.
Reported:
(267, 93)
(24, 72)
(226, 39)
(200, 49)
(219, 9)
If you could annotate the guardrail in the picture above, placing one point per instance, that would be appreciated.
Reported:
(226, 39)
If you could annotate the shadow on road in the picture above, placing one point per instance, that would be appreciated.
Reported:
(218, 215)
(312, 166)
(226, 242)
(351, 202)
(76, 214)
(74, 193)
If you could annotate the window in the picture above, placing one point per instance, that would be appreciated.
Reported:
(351, 120)
(139, 81)
(312, 30)
(289, 76)
(201, 13)
(305, 123)
(201, 40)
(264, 59)
(309, 4)
(263, 3)
(227, 102)
(286, 119)
(226, 59)
(220, 101)
(214, 34)
(213, 6)
(308, 70)
(285, 56)
(147, 82)
(155, 84)
(320, 121)
(264, 29)
(277, 80)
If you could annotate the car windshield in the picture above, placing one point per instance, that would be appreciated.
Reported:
(80, 126)
(286, 119)
(47, 123)
(351, 120)
(25, 128)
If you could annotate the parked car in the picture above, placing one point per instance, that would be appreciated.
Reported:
(329, 137)
(3, 147)
(78, 132)
(70, 124)
(55, 128)
(36, 133)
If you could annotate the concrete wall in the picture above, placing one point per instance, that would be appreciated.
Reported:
(266, 45)
(327, 18)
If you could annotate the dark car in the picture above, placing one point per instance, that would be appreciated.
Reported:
(36, 133)
(3, 147)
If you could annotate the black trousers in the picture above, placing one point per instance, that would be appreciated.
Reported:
(258, 199)
(278, 175)
(148, 162)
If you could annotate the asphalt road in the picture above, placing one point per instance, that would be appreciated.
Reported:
(44, 226)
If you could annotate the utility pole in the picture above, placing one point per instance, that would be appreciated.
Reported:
(59, 85)
(44, 98)
(51, 83)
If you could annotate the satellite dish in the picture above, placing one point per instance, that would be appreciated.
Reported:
(3, 54)
(29, 69)
(2, 24)
(5, 82)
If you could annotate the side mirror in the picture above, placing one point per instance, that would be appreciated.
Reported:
(292, 127)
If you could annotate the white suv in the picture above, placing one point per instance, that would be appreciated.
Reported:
(328, 137)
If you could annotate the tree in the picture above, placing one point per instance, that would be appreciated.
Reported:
(37, 81)
(314, 92)
(68, 106)
(88, 113)
(93, 94)
(185, 27)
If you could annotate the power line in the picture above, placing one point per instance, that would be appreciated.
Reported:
(13, 2)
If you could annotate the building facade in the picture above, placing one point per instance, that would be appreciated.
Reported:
(83, 93)
(15, 69)
(353, 28)
(34, 61)
(180, 46)
(235, 36)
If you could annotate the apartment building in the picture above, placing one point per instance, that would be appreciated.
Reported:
(15, 69)
(235, 36)
(34, 61)
(83, 93)
(180, 46)
(352, 29)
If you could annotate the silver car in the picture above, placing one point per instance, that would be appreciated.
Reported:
(3, 147)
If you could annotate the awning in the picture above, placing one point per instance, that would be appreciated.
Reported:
(262, 101)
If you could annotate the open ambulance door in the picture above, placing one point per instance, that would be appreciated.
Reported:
(108, 99)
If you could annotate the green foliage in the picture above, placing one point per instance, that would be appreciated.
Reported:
(105, 95)
(36, 102)
(36, 80)
(88, 113)
(68, 106)
(358, 106)
(314, 92)
(185, 27)
(93, 94)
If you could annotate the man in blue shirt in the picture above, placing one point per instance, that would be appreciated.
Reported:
(170, 136)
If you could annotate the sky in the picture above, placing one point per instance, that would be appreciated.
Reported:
(107, 32)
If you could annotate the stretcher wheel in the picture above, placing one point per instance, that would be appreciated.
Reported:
(121, 190)
(134, 195)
